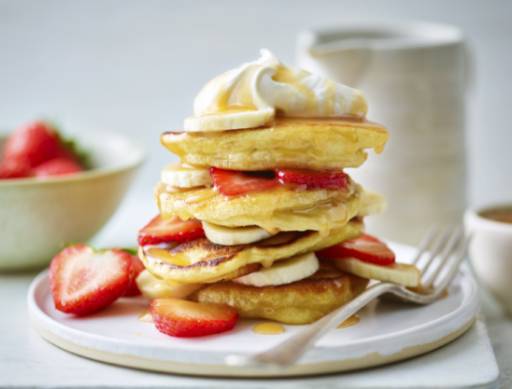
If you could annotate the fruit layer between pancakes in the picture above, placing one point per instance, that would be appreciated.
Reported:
(201, 261)
(279, 209)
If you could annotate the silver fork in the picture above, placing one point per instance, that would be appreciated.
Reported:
(449, 247)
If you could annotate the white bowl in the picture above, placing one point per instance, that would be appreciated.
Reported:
(490, 252)
(40, 216)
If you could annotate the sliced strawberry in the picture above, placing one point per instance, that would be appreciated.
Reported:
(57, 167)
(14, 168)
(84, 280)
(326, 179)
(136, 267)
(160, 230)
(233, 183)
(34, 143)
(183, 318)
(366, 248)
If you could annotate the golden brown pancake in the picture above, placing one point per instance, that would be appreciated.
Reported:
(300, 302)
(290, 142)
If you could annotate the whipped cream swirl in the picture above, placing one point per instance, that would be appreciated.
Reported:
(253, 94)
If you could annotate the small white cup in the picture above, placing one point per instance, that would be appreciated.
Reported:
(491, 252)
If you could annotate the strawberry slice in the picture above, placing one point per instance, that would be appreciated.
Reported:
(57, 167)
(326, 179)
(160, 230)
(233, 183)
(136, 267)
(184, 319)
(84, 280)
(366, 248)
(33, 143)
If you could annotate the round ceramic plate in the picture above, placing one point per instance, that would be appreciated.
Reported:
(387, 331)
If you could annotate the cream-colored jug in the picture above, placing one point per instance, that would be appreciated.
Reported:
(414, 77)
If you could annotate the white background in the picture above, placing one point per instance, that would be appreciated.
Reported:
(135, 66)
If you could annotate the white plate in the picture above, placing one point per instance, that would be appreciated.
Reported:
(388, 331)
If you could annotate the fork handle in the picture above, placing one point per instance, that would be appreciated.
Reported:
(291, 349)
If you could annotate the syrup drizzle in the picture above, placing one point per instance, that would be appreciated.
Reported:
(351, 321)
(268, 328)
(146, 317)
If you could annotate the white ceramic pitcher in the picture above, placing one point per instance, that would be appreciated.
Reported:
(414, 77)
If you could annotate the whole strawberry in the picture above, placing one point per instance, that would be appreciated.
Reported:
(14, 169)
(57, 167)
(32, 144)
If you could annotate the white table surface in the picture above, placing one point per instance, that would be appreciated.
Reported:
(26, 360)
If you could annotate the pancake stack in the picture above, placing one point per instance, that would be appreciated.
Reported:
(259, 189)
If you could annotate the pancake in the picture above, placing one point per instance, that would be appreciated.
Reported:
(280, 209)
(300, 302)
(292, 143)
(201, 261)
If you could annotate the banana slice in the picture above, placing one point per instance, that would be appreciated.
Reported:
(398, 273)
(228, 236)
(283, 272)
(235, 120)
(183, 176)
(371, 204)
(152, 287)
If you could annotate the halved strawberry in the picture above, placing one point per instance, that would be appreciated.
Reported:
(136, 267)
(366, 248)
(57, 167)
(160, 230)
(233, 183)
(184, 318)
(326, 179)
(84, 280)
(33, 143)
